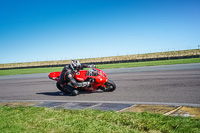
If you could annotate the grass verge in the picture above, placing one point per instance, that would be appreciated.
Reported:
(169, 54)
(102, 66)
(29, 71)
(37, 119)
(149, 63)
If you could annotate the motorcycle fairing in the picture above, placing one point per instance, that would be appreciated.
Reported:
(83, 75)
(55, 75)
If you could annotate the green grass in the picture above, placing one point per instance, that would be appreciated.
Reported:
(169, 54)
(103, 66)
(149, 63)
(29, 71)
(37, 119)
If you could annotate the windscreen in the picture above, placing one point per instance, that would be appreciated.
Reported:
(92, 72)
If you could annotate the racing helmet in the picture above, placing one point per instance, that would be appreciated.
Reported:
(75, 65)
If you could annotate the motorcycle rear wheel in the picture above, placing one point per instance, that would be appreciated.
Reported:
(110, 86)
(59, 87)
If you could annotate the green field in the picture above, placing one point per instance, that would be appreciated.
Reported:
(102, 66)
(45, 120)
(169, 54)
(149, 63)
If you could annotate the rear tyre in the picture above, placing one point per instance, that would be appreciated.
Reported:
(59, 86)
(110, 86)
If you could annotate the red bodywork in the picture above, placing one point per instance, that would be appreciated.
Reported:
(98, 75)
(54, 75)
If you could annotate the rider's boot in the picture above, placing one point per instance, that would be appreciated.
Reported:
(71, 90)
(75, 92)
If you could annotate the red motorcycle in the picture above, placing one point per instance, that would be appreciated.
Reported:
(96, 77)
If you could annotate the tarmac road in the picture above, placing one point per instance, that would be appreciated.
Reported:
(168, 84)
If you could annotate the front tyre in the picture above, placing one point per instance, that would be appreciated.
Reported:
(110, 86)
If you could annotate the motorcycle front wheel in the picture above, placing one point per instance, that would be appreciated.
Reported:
(110, 86)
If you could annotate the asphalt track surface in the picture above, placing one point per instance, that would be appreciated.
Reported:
(167, 84)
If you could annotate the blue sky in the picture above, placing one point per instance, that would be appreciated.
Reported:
(43, 30)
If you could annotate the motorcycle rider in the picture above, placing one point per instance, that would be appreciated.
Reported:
(67, 80)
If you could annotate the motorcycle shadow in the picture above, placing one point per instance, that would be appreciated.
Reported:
(59, 93)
